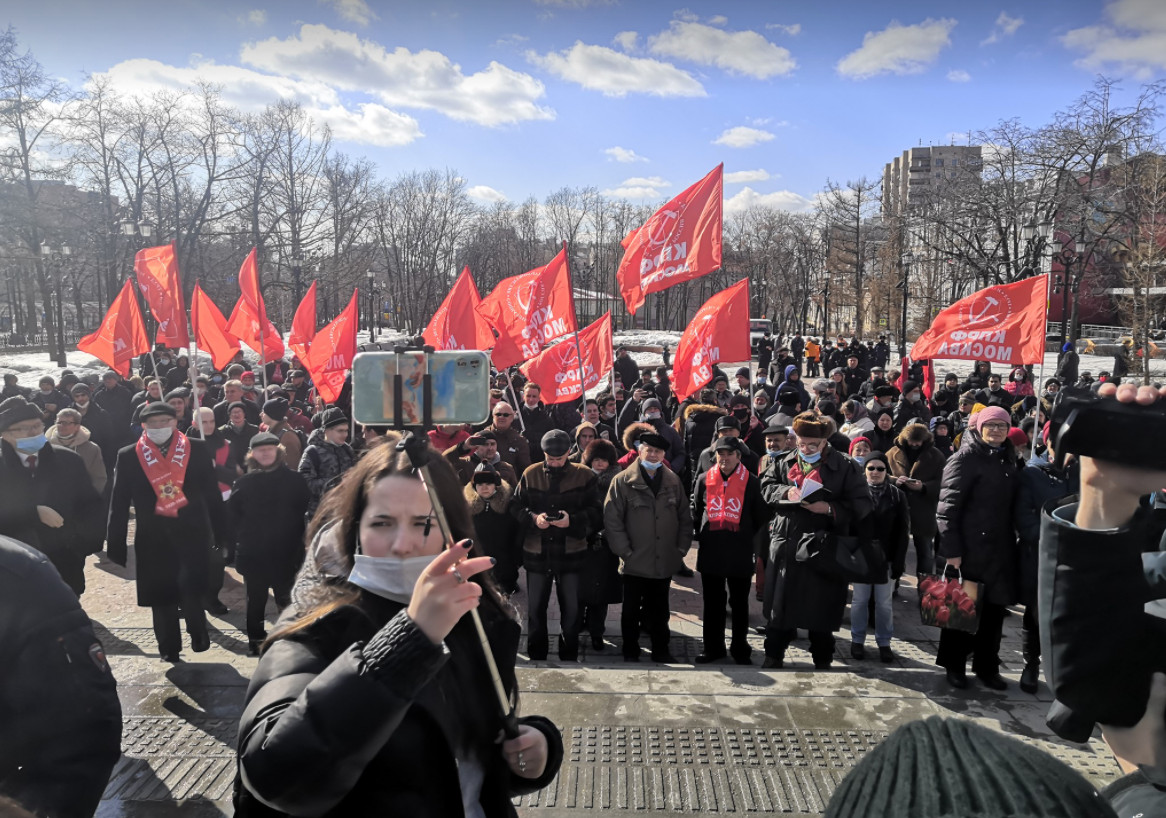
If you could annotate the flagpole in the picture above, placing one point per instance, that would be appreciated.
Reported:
(575, 315)
(192, 373)
(517, 405)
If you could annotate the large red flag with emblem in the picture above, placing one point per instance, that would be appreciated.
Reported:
(718, 332)
(681, 241)
(1002, 324)
(332, 351)
(156, 269)
(530, 310)
(457, 324)
(121, 336)
(556, 368)
(250, 314)
(303, 328)
(210, 329)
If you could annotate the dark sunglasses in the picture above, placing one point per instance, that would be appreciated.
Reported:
(875, 468)
(503, 414)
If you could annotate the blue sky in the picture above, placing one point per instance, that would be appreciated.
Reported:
(636, 97)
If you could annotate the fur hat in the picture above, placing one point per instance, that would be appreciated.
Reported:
(807, 424)
(600, 449)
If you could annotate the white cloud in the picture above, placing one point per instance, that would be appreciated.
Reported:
(740, 176)
(496, 95)
(1135, 42)
(639, 187)
(485, 193)
(738, 52)
(898, 49)
(510, 41)
(686, 15)
(718, 20)
(1005, 27)
(255, 17)
(369, 123)
(626, 40)
(743, 137)
(603, 69)
(958, 75)
(625, 155)
(778, 200)
(792, 30)
(354, 11)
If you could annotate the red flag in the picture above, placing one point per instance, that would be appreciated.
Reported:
(210, 329)
(718, 332)
(156, 269)
(250, 314)
(332, 351)
(530, 310)
(303, 328)
(1003, 324)
(121, 336)
(559, 365)
(457, 323)
(928, 384)
(681, 241)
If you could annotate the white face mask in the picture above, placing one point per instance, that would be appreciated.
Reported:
(390, 577)
(160, 436)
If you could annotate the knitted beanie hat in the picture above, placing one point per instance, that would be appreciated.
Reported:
(951, 768)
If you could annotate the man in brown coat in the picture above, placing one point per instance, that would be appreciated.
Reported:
(274, 417)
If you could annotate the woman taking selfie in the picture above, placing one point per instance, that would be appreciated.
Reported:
(374, 696)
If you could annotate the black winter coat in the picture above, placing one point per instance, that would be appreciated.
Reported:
(599, 582)
(58, 701)
(360, 714)
(1040, 483)
(536, 422)
(117, 404)
(976, 500)
(168, 550)
(796, 596)
(729, 553)
(267, 521)
(888, 522)
(101, 432)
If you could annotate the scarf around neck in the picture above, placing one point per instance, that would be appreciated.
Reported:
(725, 497)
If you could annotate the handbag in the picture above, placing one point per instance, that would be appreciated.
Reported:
(950, 603)
(845, 559)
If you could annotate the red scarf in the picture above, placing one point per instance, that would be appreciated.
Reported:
(724, 497)
(166, 473)
(797, 476)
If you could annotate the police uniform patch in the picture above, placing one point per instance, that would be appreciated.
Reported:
(97, 654)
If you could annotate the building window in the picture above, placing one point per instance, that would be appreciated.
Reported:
(939, 163)
(955, 163)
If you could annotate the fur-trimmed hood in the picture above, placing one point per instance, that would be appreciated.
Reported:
(499, 503)
(634, 431)
(695, 409)
(916, 432)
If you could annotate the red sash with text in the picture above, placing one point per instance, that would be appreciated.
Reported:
(725, 497)
(166, 473)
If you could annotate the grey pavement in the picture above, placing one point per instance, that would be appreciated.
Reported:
(640, 738)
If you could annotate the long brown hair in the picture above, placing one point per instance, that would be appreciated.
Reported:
(339, 515)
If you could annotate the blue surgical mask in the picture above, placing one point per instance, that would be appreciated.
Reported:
(31, 445)
(811, 458)
(651, 467)
(859, 459)
(774, 452)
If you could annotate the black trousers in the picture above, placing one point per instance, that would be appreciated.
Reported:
(256, 590)
(984, 646)
(1030, 632)
(539, 592)
(713, 589)
(821, 644)
(645, 600)
(166, 627)
(594, 620)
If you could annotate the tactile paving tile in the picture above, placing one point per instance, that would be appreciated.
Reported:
(170, 759)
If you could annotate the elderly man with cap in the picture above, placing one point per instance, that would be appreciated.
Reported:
(647, 520)
(977, 538)
(475, 450)
(169, 479)
(300, 387)
(237, 430)
(558, 506)
(274, 417)
(325, 461)
(233, 393)
(729, 512)
(46, 498)
(267, 509)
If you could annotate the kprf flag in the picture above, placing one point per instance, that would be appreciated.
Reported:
(718, 332)
(250, 314)
(1003, 324)
(210, 329)
(121, 336)
(332, 351)
(156, 269)
(457, 323)
(530, 310)
(303, 328)
(556, 369)
(681, 241)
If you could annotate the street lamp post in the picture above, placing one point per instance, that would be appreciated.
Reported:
(1067, 257)
(297, 262)
(372, 326)
(908, 257)
(59, 259)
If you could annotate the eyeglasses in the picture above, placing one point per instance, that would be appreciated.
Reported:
(503, 414)
(876, 468)
(995, 427)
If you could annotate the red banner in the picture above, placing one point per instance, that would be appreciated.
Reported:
(457, 323)
(332, 351)
(156, 269)
(681, 241)
(530, 310)
(556, 369)
(718, 332)
(250, 314)
(303, 328)
(210, 329)
(1002, 324)
(121, 336)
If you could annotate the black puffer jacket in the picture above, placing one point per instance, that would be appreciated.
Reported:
(322, 465)
(976, 499)
(358, 713)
